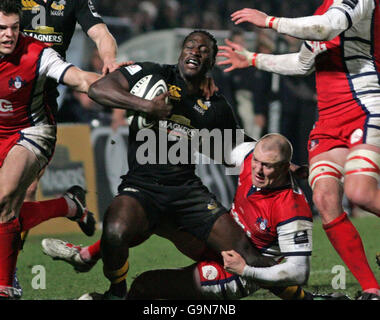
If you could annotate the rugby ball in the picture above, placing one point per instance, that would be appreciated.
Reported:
(148, 87)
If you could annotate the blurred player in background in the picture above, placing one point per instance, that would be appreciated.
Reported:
(53, 22)
(342, 46)
(28, 131)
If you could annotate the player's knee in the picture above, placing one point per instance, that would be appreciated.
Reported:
(325, 200)
(114, 233)
(360, 195)
(6, 197)
(31, 193)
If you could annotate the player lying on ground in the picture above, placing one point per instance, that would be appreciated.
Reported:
(342, 46)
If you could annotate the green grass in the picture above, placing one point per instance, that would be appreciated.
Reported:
(62, 282)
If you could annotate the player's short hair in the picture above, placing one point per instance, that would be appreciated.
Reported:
(208, 34)
(8, 7)
(278, 142)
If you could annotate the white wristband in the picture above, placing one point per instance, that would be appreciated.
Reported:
(250, 56)
(271, 22)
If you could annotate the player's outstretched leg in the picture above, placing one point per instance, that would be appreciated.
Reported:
(72, 206)
(68, 252)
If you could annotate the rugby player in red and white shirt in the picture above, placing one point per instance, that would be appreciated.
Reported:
(343, 47)
(27, 131)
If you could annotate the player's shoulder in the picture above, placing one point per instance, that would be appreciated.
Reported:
(30, 44)
(291, 204)
(147, 67)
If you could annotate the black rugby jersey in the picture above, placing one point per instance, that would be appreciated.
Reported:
(60, 17)
(190, 114)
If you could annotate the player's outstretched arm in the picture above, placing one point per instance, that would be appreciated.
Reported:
(79, 80)
(299, 63)
(237, 57)
(294, 271)
(327, 26)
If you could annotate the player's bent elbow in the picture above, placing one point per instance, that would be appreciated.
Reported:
(94, 90)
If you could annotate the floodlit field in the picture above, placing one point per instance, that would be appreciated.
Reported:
(63, 283)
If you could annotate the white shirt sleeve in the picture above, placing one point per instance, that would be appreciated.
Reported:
(338, 18)
(52, 65)
(295, 242)
(294, 271)
(299, 63)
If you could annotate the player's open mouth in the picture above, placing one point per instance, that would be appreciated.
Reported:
(259, 178)
(192, 63)
(7, 44)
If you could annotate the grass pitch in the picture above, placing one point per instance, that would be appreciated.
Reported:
(45, 279)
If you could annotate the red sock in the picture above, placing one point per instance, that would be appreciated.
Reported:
(34, 213)
(91, 252)
(347, 242)
(10, 242)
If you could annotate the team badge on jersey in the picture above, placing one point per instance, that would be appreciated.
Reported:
(58, 7)
(262, 224)
(16, 83)
(313, 144)
(202, 106)
(209, 272)
(175, 92)
(212, 205)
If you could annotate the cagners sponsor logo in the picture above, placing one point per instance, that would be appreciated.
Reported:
(5, 106)
(46, 34)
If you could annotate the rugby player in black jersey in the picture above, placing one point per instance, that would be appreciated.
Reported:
(155, 192)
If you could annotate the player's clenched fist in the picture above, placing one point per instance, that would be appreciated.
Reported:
(233, 262)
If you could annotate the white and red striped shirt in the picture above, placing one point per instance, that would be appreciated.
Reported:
(23, 97)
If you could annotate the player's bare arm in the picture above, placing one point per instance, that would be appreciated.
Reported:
(113, 91)
(237, 57)
(79, 80)
(106, 45)
(318, 27)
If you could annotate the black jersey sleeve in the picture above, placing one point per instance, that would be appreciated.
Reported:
(135, 72)
(86, 14)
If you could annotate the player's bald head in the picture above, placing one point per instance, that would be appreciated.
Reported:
(276, 142)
